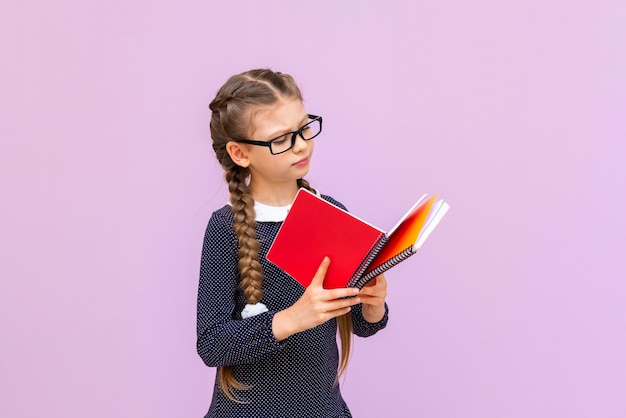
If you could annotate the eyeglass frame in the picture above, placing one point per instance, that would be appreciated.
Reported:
(294, 136)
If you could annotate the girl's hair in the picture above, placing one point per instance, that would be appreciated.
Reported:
(233, 110)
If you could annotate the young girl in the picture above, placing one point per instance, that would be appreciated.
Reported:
(273, 342)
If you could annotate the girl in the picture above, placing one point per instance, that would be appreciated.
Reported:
(273, 342)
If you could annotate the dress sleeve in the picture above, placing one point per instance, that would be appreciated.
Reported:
(361, 327)
(222, 340)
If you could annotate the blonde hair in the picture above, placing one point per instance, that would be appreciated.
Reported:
(232, 113)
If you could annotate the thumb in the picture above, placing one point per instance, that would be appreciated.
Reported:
(318, 279)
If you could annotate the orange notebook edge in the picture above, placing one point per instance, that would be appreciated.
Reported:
(406, 233)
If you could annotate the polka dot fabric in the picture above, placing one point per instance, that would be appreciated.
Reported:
(288, 379)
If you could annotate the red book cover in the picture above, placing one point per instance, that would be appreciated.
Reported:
(315, 228)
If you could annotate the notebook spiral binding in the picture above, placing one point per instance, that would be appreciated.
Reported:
(378, 245)
(384, 267)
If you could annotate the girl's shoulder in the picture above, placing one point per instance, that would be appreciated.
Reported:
(221, 219)
(332, 200)
(223, 213)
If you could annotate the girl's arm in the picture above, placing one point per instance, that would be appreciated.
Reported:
(222, 340)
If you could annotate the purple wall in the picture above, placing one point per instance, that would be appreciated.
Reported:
(512, 111)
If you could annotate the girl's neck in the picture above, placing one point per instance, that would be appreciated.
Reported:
(276, 195)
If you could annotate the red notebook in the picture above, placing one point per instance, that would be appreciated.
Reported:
(358, 251)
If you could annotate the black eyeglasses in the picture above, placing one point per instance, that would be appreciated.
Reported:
(285, 142)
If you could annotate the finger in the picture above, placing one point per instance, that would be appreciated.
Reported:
(342, 306)
(342, 303)
(341, 292)
(370, 299)
(367, 290)
(342, 311)
(370, 294)
(337, 313)
(378, 291)
(318, 278)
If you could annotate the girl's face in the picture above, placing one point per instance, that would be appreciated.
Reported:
(268, 171)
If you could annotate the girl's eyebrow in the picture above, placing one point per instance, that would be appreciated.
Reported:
(304, 120)
(286, 131)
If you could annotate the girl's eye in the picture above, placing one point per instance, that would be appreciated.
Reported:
(280, 141)
(307, 132)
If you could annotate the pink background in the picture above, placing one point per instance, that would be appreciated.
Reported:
(512, 111)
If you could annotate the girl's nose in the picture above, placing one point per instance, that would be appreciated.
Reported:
(300, 144)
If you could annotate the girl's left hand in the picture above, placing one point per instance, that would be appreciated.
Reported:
(373, 299)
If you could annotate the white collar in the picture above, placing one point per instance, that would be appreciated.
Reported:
(266, 213)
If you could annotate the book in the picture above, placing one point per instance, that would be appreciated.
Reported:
(358, 251)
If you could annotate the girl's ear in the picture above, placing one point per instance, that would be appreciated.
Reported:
(238, 154)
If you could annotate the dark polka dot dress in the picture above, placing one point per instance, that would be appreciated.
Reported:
(288, 379)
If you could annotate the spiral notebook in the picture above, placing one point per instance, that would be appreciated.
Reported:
(358, 251)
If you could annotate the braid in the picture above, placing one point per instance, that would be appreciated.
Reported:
(250, 270)
(305, 184)
(242, 203)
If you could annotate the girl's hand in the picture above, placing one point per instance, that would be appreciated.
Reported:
(316, 306)
(373, 298)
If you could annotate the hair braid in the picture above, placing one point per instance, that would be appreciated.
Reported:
(242, 203)
(305, 184)
(250, 270)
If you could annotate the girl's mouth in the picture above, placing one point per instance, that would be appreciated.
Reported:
(302, 162)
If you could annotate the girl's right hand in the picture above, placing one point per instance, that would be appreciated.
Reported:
(316, 306)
